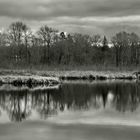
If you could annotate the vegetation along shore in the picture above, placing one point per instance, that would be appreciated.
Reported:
(20, 47)
(25, 77)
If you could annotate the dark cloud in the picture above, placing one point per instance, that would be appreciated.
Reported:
(73, 15)
(43, 9)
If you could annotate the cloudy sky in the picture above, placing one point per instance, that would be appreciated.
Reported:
(84, 16)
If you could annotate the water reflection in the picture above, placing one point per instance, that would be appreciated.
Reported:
(19, 104)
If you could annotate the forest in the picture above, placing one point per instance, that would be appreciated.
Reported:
(20, 46)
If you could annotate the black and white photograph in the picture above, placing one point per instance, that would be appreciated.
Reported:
(69, 69)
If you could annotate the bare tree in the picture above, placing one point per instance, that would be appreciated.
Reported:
(121, 43)
(18, 35)
(46, 36)
(27, 39)
(134, 48)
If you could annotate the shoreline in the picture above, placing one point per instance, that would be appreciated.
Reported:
(54, 77)
(29, 81)
(73, 74)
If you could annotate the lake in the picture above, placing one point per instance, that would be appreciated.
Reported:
(75, 110)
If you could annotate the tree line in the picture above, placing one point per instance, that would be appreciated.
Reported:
(19, 45)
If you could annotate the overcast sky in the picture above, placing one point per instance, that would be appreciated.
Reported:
(85, 16)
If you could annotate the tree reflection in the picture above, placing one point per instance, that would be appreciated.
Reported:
(45, 105)
(16, 105)
(20, 104)
(127, 97)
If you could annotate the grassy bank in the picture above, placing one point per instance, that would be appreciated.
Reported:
(68, 67)
(27, 80)
(74, 74)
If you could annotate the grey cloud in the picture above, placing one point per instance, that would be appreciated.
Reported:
(42, 10)
(85, 16)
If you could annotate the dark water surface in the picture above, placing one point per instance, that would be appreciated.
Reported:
(81, 109)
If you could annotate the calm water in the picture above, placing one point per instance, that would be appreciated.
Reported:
(110, 103)
(72, 111)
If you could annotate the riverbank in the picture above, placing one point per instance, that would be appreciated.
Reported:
(74, 75)
(28, 80)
